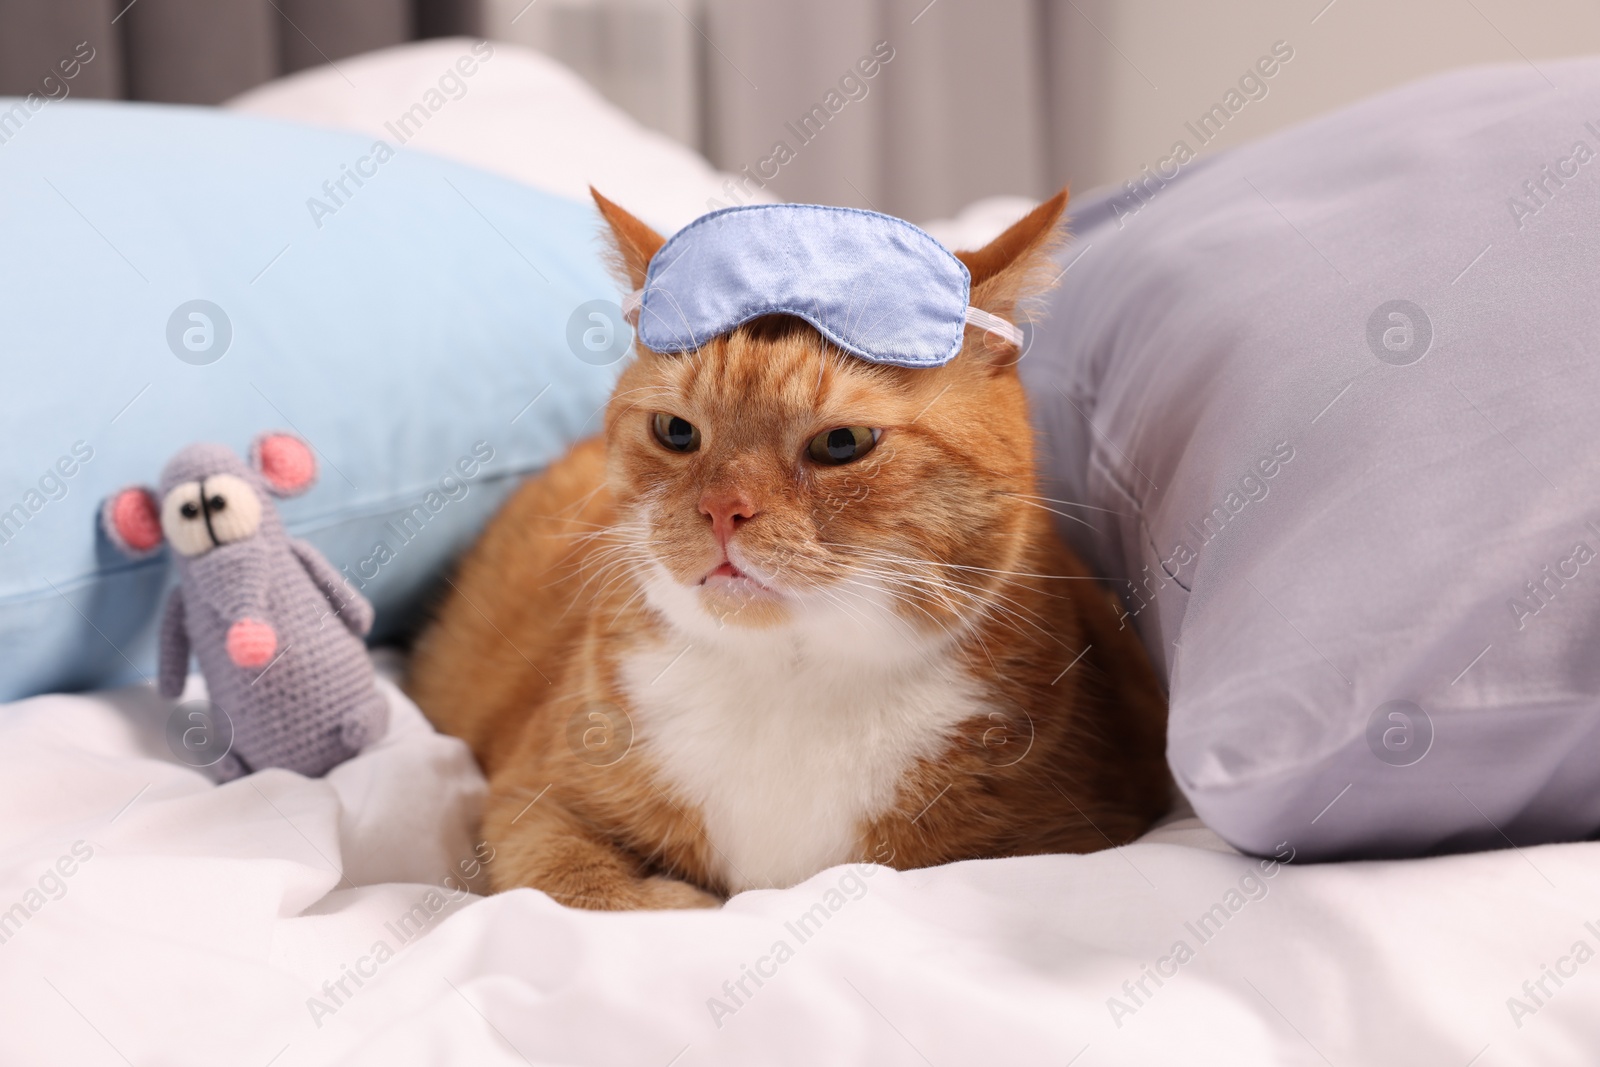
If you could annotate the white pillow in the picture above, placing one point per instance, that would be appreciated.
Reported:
(523, 115)
(518, 113)
(979, 222)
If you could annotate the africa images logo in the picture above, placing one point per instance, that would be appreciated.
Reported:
(199, 332)
(1399, 333)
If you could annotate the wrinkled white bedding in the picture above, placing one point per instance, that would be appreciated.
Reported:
(208, 925)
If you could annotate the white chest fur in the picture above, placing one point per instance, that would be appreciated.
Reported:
(787, 740)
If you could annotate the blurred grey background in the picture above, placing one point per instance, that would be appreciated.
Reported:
(980, 97)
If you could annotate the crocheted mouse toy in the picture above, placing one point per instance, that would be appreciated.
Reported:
(276, 629)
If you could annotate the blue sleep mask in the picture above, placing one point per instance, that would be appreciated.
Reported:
(874, 285)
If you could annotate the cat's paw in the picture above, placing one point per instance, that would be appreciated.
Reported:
(663, 894)
(621, 894)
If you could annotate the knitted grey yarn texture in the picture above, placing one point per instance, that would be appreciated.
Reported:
(315, 703)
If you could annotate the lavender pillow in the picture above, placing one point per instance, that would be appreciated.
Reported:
(1326, 409)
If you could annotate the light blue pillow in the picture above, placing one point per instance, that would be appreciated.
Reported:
(407, 316)
(1326, 406)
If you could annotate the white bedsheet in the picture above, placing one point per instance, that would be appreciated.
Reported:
(204, 922)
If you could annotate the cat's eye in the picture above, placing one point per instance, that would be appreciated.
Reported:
(846, 444)
(674, 433)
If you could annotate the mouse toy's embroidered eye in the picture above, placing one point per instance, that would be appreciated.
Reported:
(843, 445)
(201, 515)
(678, 435)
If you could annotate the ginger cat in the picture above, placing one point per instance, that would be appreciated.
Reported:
(728, 646)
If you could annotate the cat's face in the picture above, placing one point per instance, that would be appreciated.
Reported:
(767, 476)
(767, 481)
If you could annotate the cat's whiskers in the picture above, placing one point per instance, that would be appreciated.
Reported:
(581, 502)
(646, 392)
(581, 555)
(652, 387)
(903, 578)
(607, 563)
(997, 614)
(620, 532)
(626, 570)
(933, 655)
(568, 566)
(836, 598)
(655, 394)
(1067, 503)
(987, 603)
(594, 526)
(602, 567)
(606, 577)
(918, 597)
(638, 594)
(584, 538)
(925, 589)
(612, 573)
(834, 595)
(971, 588)
(968, 567)
(1053, 511)
(909, 562)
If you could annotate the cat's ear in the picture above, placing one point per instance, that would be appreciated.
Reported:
(1019, 265)
(633, 243)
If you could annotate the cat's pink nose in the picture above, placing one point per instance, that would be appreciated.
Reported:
(251, 643)
(727, 510)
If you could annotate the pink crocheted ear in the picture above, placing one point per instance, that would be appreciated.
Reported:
(286, 463)
(132, 520)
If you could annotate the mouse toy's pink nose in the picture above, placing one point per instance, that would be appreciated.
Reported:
(251, 643)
